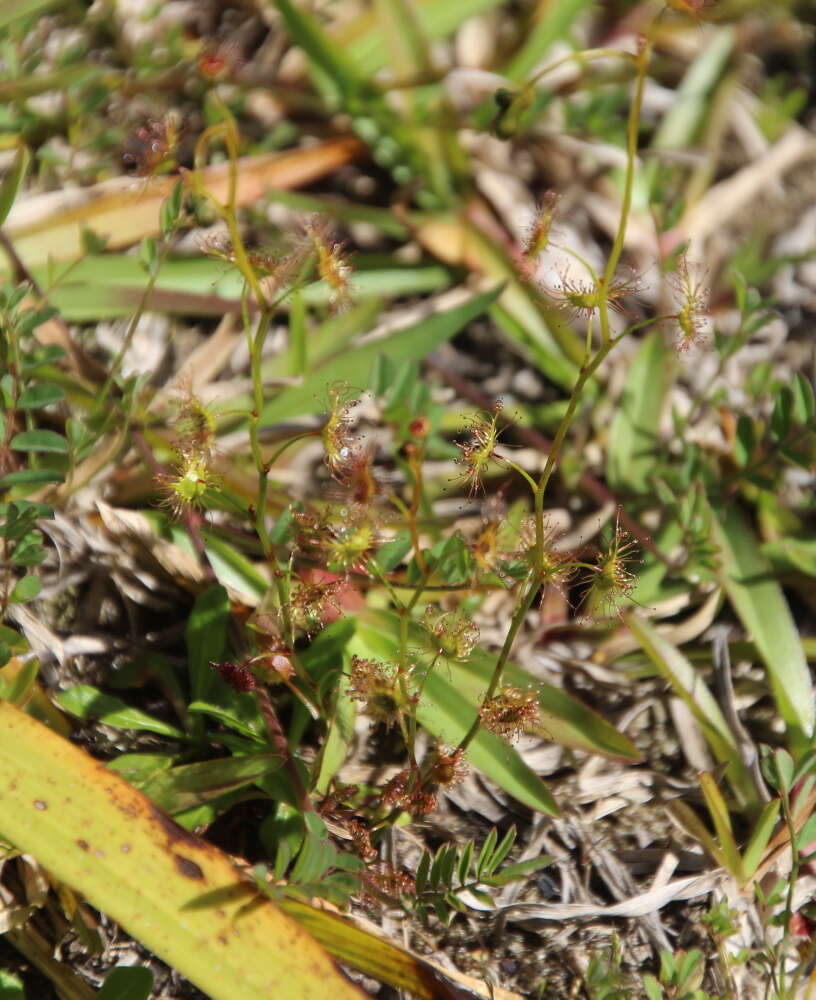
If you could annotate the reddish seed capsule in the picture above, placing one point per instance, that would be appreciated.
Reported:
(420, 428)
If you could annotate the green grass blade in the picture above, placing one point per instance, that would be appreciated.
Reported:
(111, 285)
(11, 10)
(339, 735)
(760, 838)
(206, 639)
(364, 40)
(761, 606)
(687, 111)
(346, 939)
(190, 785)
(633, 436)
(336, 75)
(405, 39)
(447, 715)
(233, 569)
(87, 702)
(552, 24)
(718, 810)
(412, 344)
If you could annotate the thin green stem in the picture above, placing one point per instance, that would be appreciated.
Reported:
(631, 158)
(134, 321)
(586, 372)
(405, 667)
(582, 58)
(588, 368)
(590, 270)
(532, 582)
(525, 475)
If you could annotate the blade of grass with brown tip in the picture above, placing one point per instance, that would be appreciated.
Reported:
(124, 210)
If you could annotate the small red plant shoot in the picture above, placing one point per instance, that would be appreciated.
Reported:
(510, 712)
(407, 790)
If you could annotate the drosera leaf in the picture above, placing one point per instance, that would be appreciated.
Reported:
(178, 895)
(413, 343)
(127, 983)
(761, 606)
(87, 702)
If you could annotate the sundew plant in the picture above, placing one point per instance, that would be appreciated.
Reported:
(336, 563)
